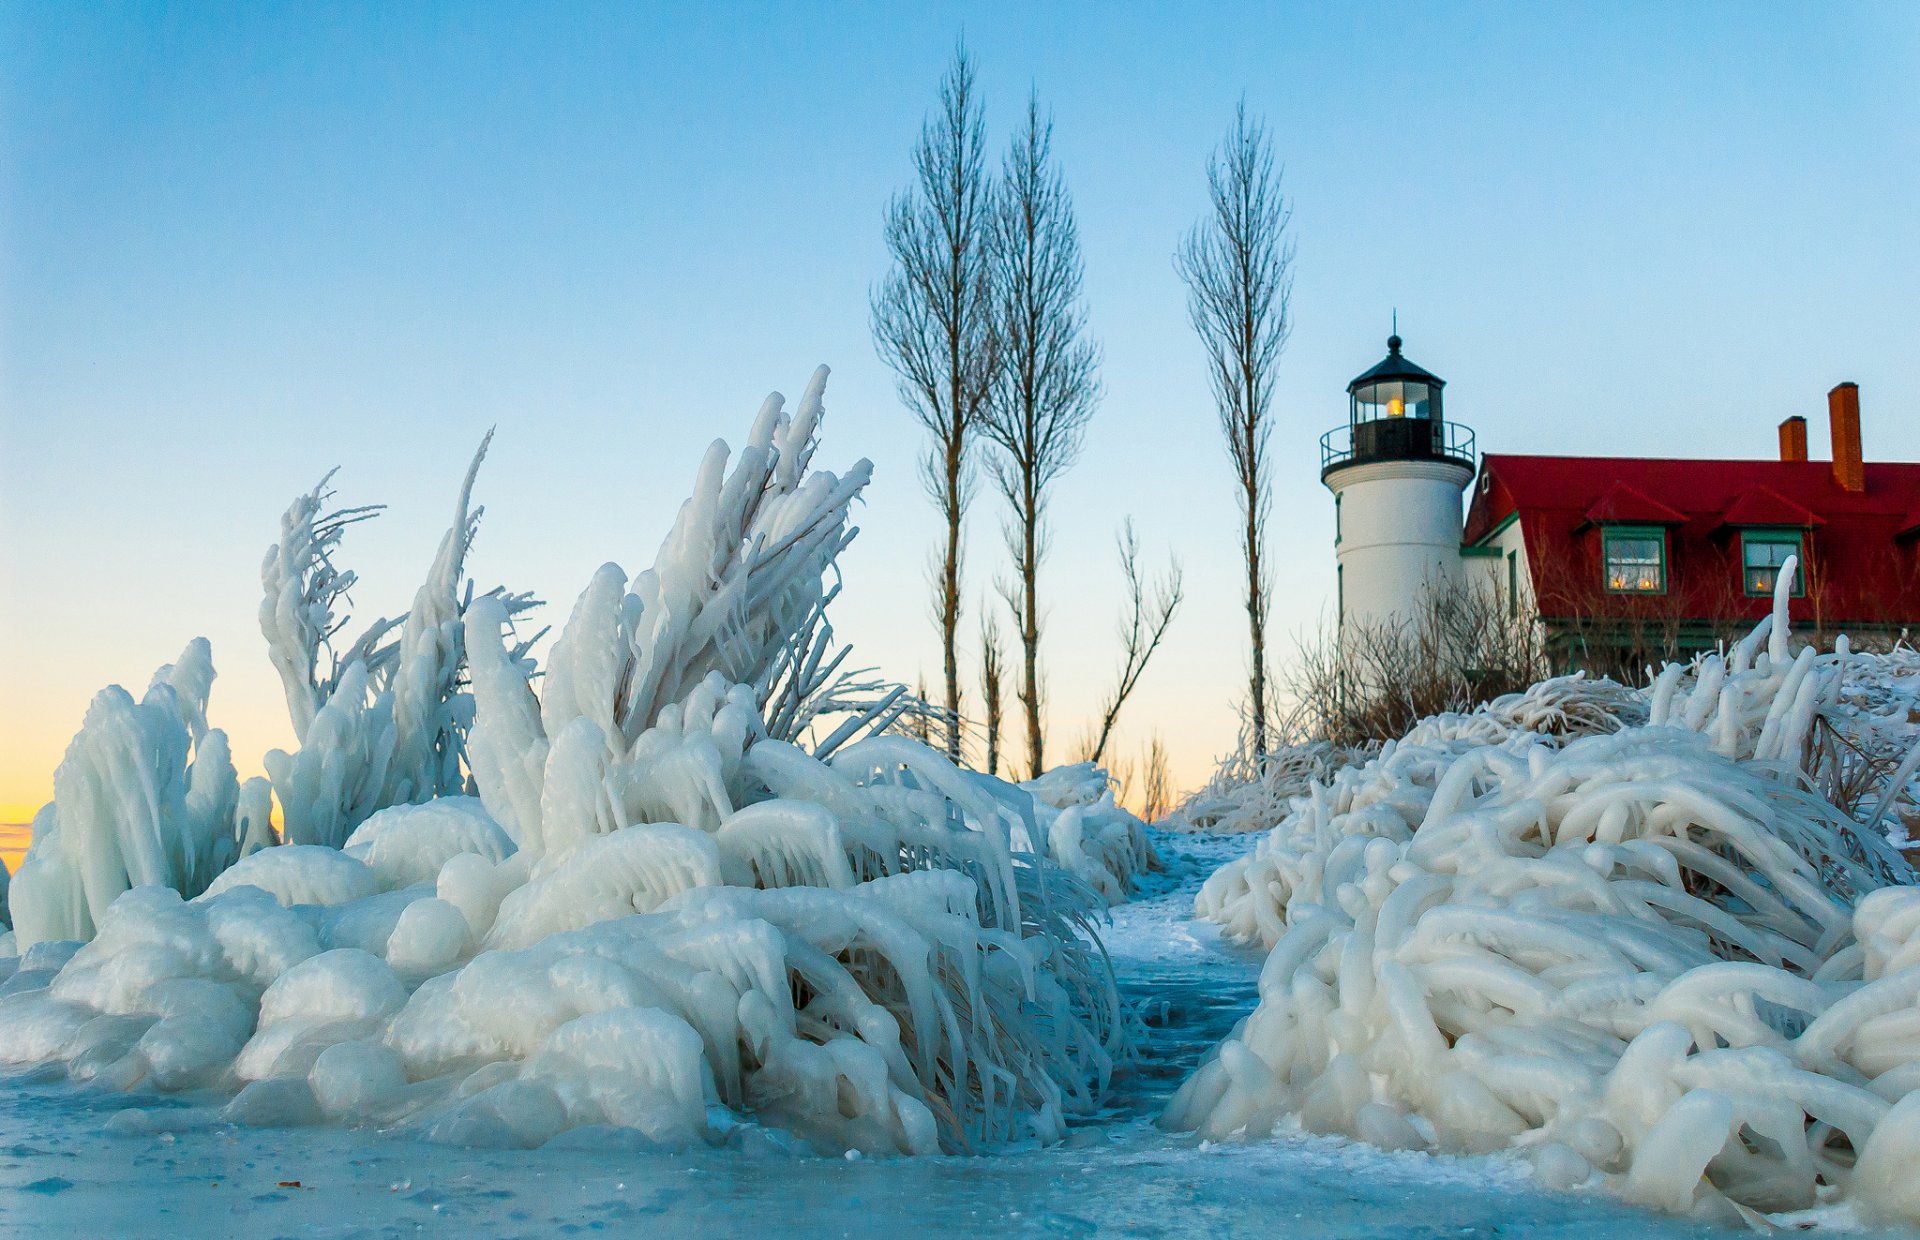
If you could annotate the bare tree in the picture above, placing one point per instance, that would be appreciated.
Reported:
(917, 724)
(992, 673)
(1156, 790)
(1237, 264)
(1046, 388)
(1150, 610)
(933, 325)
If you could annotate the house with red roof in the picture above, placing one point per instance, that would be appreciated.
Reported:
(1629, 559)
(1626, 561)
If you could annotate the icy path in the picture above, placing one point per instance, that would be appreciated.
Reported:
(69, 1166)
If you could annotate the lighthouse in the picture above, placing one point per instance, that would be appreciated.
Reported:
(1397, 471)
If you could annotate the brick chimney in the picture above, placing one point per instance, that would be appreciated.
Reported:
(1793, 439)
(1843, 414)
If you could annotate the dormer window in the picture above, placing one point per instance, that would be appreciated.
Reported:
(1635, 559)
(1762, 555)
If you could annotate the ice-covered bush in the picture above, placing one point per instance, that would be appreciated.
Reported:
(386, 724)
(1866, 744)
(1254, 792)
(1082, 829)
(146, 795)
(1652, 958)
(672, 907)
(1248, 793)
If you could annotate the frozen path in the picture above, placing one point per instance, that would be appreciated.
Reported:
(66, 1171)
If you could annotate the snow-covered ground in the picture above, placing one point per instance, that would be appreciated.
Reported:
(81, 1162)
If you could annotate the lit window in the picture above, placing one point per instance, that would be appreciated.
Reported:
(1763, 554)
(1636, 560)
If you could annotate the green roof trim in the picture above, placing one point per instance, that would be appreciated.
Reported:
(1499, 529)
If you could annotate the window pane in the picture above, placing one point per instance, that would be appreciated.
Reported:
(1762, 560)
(1634, 563)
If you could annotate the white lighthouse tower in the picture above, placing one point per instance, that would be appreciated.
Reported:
(1397, 471)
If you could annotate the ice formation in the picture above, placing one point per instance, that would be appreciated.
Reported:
(1081, 828)
(146, 795)
(386, 724)
(1876, 724)
(675, 902)
(1644, 953)
(1247, 794)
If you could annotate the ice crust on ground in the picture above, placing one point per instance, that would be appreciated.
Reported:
(1648, 956)
(643, 890)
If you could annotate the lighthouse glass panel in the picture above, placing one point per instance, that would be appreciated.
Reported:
(1636, 560)
(1395, 398)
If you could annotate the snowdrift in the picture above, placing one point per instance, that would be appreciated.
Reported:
(1632, 944)
(645, 887)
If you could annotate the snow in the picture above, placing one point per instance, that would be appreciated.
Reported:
(1647, 956)
(92, 1162)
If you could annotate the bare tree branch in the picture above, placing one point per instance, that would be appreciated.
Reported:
(1237, 264)
(1150, 610)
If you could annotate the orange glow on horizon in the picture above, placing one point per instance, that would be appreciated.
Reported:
(14, 838)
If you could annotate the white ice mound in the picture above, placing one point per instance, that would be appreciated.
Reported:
(1652, 960)
(671, 906)
(407, 844)
(1084, 831)
(301, 874)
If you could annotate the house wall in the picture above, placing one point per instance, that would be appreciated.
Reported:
(1499, 567)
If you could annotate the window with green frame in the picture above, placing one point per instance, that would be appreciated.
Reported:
(1762, 555)
(1635, 559)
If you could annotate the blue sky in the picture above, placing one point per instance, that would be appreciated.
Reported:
(239, 246)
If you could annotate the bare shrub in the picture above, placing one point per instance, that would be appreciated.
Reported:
(1368, 681)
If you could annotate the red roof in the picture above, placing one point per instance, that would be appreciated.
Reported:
(1621, 504)
(1859, 567)
(1762, 505)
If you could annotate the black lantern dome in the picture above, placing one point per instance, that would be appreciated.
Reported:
(1396, 388)
(1394, 415)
